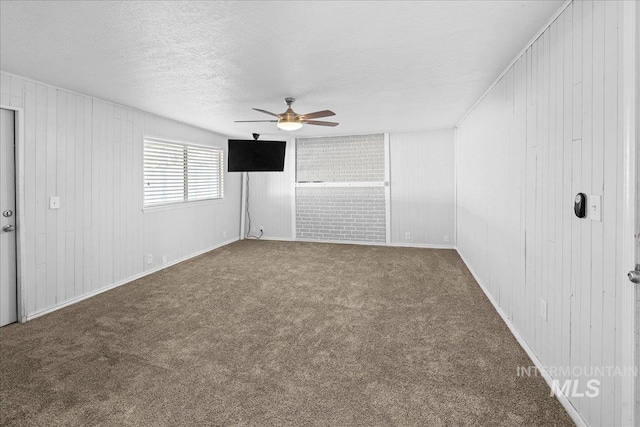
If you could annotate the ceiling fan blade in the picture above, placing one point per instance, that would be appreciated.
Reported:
(318, 114)
(319, 123)
(267, 112)
(256, 121)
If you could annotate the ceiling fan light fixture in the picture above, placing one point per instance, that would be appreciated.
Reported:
(286, 125)
(290, 120)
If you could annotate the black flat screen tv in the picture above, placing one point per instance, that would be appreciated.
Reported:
(247, 155)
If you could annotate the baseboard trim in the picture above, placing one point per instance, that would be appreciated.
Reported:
(359, 242)
(343, 242)
(74, 300)
(564, 401)
(421, 245)
(277, 239)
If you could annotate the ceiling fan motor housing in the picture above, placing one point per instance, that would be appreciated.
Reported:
(290, 116)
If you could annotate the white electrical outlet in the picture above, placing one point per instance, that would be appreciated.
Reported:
(164, 259)
(446, 237)
(543, 309)
(224, 234)
(407, 236)
(261, 229)
(150, 259)
(54, 202)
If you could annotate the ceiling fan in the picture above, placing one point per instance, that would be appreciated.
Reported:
(290, 120)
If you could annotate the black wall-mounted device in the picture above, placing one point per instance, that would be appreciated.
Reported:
(580, 205)
(248, 155)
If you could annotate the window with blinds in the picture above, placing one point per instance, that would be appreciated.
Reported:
(180, 173)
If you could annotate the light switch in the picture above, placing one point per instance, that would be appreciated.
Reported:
(54, 202)
(595, 208)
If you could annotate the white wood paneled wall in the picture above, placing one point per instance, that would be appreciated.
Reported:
(637, 213)
(422, 188)
(89, 153)
(271, 197)
(637, 230)
(549, 129)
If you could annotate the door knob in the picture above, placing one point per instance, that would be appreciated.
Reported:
(8, 228)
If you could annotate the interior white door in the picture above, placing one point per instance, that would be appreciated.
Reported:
(8, 288)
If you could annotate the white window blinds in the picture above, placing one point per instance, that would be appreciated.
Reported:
(179, 173)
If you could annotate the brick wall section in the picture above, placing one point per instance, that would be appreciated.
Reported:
(354, 158)
(341, 213)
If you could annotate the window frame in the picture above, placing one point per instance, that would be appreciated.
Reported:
(184, 202)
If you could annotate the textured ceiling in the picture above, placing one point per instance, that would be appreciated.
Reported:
(381, 66)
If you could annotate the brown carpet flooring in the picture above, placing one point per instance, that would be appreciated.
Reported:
(277, 333)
